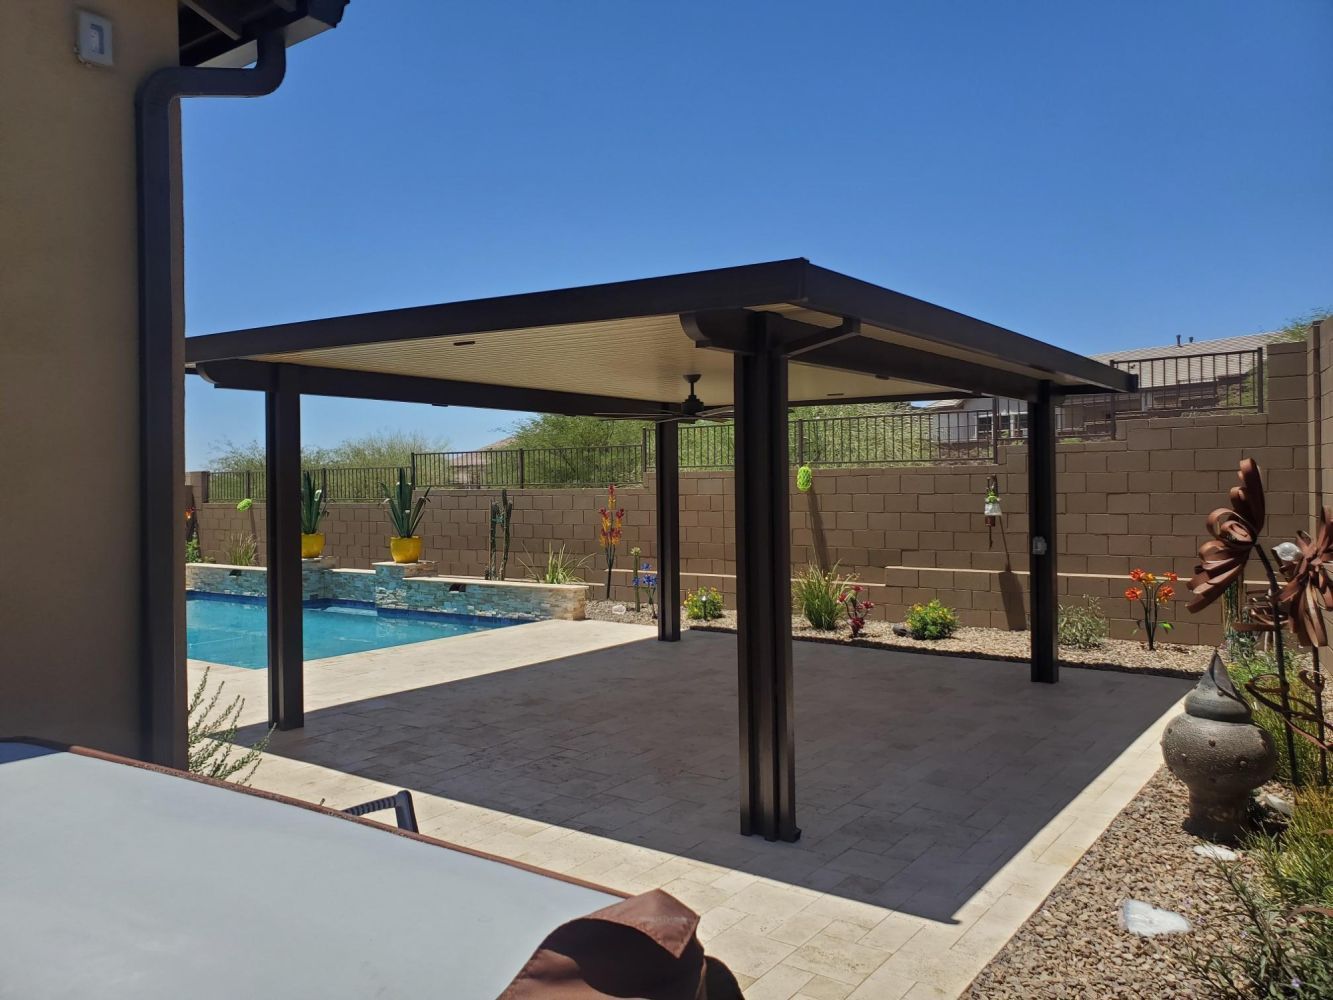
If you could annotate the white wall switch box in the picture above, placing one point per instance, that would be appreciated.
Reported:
(94, 40)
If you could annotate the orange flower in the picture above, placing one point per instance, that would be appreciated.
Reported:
(1133, 594)
(1149, 578)
(1165, 593)
(1136, 575)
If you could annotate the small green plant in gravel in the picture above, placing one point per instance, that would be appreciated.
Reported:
(704, 604)
(1083, 626)
(192, 553)
(1283, 899)
(931, 621)
(820, 595)
(211, 733)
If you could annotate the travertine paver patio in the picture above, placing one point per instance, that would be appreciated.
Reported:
(940, 799)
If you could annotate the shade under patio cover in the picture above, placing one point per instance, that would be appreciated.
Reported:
(761, 338)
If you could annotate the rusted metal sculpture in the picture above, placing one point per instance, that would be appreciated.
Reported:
(1219, 754)
(1299, 604)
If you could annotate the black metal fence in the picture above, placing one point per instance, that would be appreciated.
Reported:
(943, 433)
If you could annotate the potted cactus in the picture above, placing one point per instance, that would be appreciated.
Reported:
(404, 515)
(313, 509)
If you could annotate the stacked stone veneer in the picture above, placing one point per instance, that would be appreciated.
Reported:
(913, 533)
(404, 587)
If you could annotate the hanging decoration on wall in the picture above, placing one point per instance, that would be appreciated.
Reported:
(991, 506)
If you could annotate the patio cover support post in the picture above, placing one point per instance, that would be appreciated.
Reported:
(668, 531)
(763, 575)
(1044, 579)
(286, 681)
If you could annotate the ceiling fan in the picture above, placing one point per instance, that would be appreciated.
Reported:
(691, 409)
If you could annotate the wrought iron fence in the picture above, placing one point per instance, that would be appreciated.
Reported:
(965, 431)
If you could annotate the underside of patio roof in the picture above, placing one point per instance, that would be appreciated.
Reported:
(760, 337)
(635, 340)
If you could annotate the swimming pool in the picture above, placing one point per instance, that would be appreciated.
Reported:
(234, 630)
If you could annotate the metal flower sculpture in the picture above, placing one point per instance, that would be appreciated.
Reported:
(1309, 591)
(1300, 603)
(1235, 532)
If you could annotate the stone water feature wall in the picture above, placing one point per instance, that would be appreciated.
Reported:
(411, 587)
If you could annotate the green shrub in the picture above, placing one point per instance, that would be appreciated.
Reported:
(1283, 894)
(1082, 626)
(703, 604)
(241, 550)
(931, 621)
(561, 567)
(192, 553)
(819, 594)
(1245, 668)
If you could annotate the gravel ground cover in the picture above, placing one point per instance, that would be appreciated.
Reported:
(1168, 659)
(1072, 947)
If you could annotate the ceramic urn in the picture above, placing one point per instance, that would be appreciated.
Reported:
(1219, 754)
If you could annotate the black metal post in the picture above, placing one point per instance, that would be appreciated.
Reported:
(286, 668)
(763, 575)
(668, 531)
(1043, 579)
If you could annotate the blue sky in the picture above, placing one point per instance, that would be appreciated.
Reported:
(1100, 176)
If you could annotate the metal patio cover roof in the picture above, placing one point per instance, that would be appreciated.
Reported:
(627, 340)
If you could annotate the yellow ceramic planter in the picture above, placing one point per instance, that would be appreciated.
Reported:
(405, 550)
(312, 545)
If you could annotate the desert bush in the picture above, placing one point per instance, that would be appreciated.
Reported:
(819, 594)
(1082, 626)
(1247, 667)
(1282, 894)
(704, 604)
(210, 744)
(241, 550)
(931, 621)
(561, 566)
(192, 552)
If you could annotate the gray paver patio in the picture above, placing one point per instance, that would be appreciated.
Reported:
(940, 799)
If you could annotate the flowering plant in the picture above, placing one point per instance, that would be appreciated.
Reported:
(645, 579)
(608, 535)
(856, 608)
(1154, 594)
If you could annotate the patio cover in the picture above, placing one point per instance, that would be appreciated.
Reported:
(762, 337)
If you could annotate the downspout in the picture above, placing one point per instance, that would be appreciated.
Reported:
(162, 719)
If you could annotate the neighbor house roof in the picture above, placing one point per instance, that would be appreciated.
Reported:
(1187, 363)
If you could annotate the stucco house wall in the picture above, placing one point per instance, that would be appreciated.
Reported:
(69, 385)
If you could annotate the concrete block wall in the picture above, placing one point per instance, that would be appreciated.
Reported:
(913, 533)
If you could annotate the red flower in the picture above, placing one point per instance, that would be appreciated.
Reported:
(1172, 577)
(1133, 594)
(1165, 593)
(1136, 575)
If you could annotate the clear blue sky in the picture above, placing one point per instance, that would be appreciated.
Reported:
(1097, 175)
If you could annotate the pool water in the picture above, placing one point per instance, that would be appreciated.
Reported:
(234, 630)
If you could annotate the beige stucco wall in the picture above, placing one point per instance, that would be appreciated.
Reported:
(69, 637)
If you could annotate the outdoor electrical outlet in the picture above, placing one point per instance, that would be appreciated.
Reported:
(93, 44)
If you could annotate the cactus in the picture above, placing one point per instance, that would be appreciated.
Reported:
(313, 505)
(502, 515)
(404, 515)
